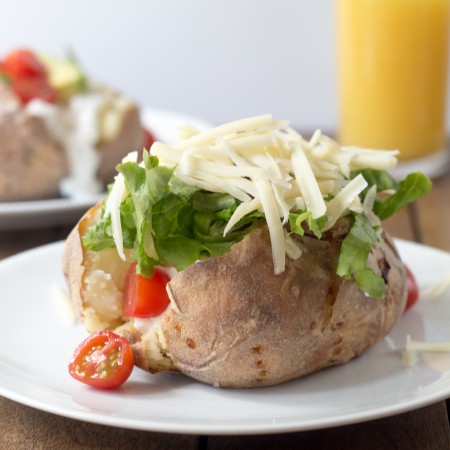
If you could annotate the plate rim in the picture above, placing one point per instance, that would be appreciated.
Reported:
(201, 427)
(12, 213)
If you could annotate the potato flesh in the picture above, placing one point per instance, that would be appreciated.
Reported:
(102, 294)
(102, 289)
(148, 346)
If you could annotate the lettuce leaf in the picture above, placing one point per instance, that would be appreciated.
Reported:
(380, 178)
(354, 254)
(301, 218)
(371, 283)
(415, 185)
(166, 222)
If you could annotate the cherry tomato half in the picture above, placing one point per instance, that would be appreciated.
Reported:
(145, 297)
(104, 360)
(412, 289)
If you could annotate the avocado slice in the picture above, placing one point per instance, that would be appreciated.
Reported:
(65, 75)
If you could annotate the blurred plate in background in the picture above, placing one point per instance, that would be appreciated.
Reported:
(65, 211)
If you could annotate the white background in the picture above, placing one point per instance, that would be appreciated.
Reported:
(217, 59)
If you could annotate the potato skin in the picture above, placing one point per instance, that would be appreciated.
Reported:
(238, 325)
(74, 255)
(95, 279)
(32, 162)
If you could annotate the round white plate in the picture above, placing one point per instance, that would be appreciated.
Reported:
(60, 211)
(37, 342)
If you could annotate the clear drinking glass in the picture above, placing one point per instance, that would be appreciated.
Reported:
(392, 60)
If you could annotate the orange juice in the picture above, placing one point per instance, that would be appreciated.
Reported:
(393, 73)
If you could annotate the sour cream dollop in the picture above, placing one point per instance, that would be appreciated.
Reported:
(75, 126)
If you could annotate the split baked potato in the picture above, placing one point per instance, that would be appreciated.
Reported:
(232, 322)
(280, 265)
(44, 141)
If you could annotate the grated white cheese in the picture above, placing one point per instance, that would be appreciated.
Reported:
(271, 212)
(270, 168)
(409, 355)
(242, 210)
(363, 157)
(112, 207)
(292, 249)
(368, 203)
(344, 199)
(304, 176)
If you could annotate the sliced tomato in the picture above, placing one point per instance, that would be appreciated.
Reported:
(145, 297)
(412, 289)
(104, 360)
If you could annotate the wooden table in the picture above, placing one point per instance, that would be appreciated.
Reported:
(22, 427)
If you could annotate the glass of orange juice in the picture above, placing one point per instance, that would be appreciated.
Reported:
(392, 72)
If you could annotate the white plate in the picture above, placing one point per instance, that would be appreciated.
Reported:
(32, 214)
(36, 344)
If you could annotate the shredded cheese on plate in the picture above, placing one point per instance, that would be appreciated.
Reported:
(409, 355)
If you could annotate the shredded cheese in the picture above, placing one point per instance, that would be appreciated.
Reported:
(368, 203)
(304, 176)
(412, 347)
(270, 168)
(113, 206)
(344, 199)
(271, 212)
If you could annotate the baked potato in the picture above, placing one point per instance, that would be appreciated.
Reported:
(247, 315)
(232, 322)
(32, 161)
(77, 133)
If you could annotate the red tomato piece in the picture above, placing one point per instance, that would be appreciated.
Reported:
(412, 289)
(28, 89)
(149, 138)
(28, 76)
(104, 360)
(145, 297)
(23, 64)
(3, 74)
